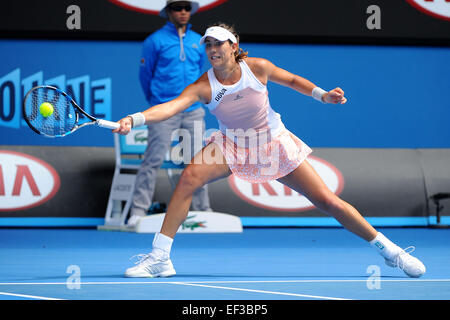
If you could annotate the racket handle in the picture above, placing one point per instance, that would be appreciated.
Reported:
(107, 124)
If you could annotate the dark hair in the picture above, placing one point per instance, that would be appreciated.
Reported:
(239, 54)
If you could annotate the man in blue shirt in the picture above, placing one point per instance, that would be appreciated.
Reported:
(172, 58)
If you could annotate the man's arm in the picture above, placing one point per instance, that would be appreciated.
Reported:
(147, 66)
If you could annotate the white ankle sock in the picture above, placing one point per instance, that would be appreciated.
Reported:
(162, 245)
(384, 246)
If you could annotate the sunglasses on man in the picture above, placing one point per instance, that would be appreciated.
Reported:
(179, 8)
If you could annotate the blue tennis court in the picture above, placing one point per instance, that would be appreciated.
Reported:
(258, 264)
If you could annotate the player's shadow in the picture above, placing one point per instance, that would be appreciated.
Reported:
(197, 277)
(285, 277)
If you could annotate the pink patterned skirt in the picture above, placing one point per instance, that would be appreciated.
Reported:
(263, 161)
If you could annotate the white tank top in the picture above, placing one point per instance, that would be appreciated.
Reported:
(243, 105)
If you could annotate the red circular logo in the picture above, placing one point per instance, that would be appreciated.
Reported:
(25, 181)
(435, 8)
(275, 196)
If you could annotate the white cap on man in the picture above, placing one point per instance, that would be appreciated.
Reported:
(194, 6)
(218, 33)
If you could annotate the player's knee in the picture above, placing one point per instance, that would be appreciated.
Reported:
(191, 178)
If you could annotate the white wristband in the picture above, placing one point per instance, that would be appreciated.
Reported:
(318, 93)
(137, 119)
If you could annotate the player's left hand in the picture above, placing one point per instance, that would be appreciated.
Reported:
(335, 96)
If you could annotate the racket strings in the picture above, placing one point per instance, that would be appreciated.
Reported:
(60, 122)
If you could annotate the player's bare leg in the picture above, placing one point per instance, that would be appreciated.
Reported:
(200, 172)
(305, 180)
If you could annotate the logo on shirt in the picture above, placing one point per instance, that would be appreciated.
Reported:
(220, 94)
(238, 97)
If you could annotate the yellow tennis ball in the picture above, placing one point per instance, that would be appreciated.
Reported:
(46, 109)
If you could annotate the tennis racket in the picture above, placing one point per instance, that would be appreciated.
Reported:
(62, 114)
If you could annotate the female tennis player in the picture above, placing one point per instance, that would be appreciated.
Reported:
(253, 144)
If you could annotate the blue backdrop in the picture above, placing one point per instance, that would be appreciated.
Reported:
(398, 96)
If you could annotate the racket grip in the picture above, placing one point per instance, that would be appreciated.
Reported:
(107, 124)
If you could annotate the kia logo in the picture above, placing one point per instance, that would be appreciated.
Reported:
(435, 8)
(25, 181)
(154, 6)
(275, 196)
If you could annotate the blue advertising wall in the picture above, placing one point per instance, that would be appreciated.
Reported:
(398, 96)
(398, 100)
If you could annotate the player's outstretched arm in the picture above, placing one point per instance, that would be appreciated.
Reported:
(300, 84)
(160, 112)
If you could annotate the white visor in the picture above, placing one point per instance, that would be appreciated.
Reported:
(218, 33)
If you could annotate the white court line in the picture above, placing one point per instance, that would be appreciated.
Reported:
(150, 281)
(203, 284)
(27, 296)
(260, 291)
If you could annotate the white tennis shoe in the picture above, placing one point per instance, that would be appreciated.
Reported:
(412, 266)
(151, 266)
(133, 220)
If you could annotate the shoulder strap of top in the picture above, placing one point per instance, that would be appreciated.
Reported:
(256, 83)
(213, 83)
(212, 77)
